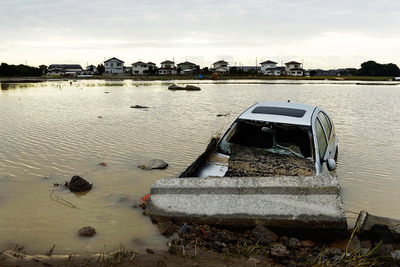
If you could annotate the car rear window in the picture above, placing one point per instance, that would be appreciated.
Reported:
(290, 112)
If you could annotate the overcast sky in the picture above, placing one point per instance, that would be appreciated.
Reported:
(321, 34)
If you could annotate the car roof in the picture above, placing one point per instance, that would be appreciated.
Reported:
(280, 112)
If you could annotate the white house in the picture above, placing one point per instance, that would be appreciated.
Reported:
(139, 67)
(167, 68)
(269, 68)
(221, 67)
(114, 66)
(294, 68)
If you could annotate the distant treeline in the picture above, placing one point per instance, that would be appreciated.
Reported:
(19, 71)
(371, 68)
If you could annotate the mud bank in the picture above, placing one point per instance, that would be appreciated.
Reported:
(207, 245)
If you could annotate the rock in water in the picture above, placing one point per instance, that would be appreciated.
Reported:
(153, 164)
(78, 184)
(138, 106)
(87, 231)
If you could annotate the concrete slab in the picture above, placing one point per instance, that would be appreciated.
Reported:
(290, 201)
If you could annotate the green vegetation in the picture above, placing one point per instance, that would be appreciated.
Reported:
(247, 251)
(100, 69)
(371, 68)
(19, 71)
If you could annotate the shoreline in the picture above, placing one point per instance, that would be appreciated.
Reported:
(195, 78)
(370, 243)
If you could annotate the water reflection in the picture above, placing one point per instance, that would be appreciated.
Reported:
(60, 129)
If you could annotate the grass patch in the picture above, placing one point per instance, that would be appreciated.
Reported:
(247, 251)
(119, 256)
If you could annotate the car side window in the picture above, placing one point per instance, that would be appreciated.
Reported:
(321, 138)
(326, 123)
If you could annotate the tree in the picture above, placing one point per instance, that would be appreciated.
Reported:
(205, 71)
(100, 69)
(371, 68)
(20, 70)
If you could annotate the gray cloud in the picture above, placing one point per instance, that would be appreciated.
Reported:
(253, 27)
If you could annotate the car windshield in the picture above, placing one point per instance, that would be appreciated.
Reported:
(274, 137)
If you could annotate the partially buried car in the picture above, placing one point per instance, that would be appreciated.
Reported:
(275, 139)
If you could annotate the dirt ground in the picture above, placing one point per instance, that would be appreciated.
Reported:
(205, 245)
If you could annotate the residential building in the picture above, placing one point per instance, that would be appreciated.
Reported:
(91, 69)
(65, 69)
(138, 68)
(221, 67)
(269, 68)
(294, 68)
(43, 68)
(188, 67)
(114, 66)
(167, 68)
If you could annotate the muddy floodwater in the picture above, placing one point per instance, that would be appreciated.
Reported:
(53, 130)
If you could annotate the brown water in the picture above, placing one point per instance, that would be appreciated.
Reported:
(54, 130)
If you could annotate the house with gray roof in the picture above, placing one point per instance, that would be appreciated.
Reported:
(221, 67)
(139, 67)
(269, 68)
(63, 69)
(293, 68)
(167, 68)
(114, 66)
(188, 67)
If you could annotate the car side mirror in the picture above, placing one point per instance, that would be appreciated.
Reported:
(331, 164)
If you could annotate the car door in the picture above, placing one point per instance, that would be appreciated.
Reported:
(330, 134)
(325, 139)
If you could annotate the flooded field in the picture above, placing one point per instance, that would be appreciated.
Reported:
(53, 130)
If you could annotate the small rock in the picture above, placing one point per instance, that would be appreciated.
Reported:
(263, 234)
(354, 244)
(380, 232)
(396, 254)
(333, 252)
(307, 243)
(283, 239)
(278, 251)
(87, 231)
(153, 164)
(150, 251)
(78, 184)
(293, 243)
(166, 228)
(251, 262)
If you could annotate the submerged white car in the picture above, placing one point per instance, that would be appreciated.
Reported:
(268, 168)
(275, 139)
